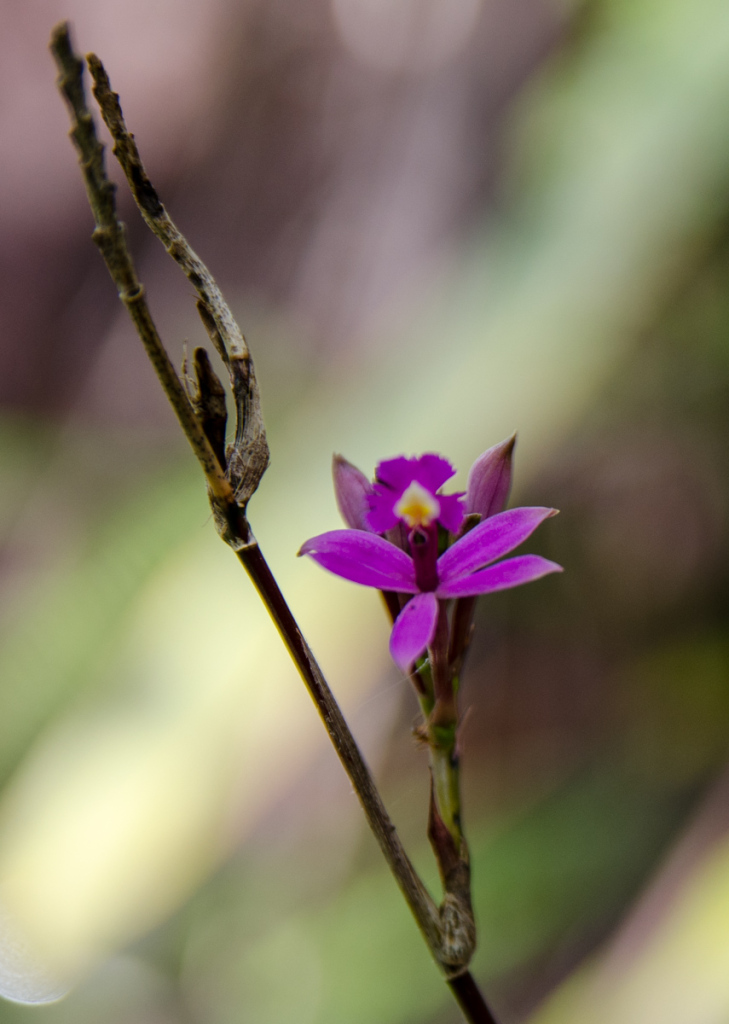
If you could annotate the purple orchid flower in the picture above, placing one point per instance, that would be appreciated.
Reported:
(406, 496)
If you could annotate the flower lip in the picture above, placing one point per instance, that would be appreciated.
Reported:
(406, 491)
(430, 470)
(417, 506)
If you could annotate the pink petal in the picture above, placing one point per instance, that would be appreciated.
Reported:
(451, 511)
(414, 630)
(363, 558)
(510, 573)
(491, 539)
(381, 515)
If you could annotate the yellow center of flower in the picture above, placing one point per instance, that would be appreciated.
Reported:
(417, 506)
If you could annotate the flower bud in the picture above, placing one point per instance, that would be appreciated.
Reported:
(489, 480)
(352, 490)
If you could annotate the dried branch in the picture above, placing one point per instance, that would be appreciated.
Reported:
(250, 456)
(109, 236)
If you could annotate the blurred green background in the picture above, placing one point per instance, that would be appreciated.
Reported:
(438, 221)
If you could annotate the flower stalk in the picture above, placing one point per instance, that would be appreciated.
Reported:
(435, 553)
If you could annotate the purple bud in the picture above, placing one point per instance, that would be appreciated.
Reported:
(352, 490)
(489, 480)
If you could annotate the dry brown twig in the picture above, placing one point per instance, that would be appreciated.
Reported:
(233, 474)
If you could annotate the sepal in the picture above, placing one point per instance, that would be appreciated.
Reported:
(489, 481)
(352, 490)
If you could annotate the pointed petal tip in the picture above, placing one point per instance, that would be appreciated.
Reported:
(306, 547)
(503, 448)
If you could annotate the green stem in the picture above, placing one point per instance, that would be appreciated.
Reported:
(444, 768)
(442, 726)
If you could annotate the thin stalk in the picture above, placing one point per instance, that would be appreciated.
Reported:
(470, 1000)
(446, 782)
(442, 737)
(418, 899)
